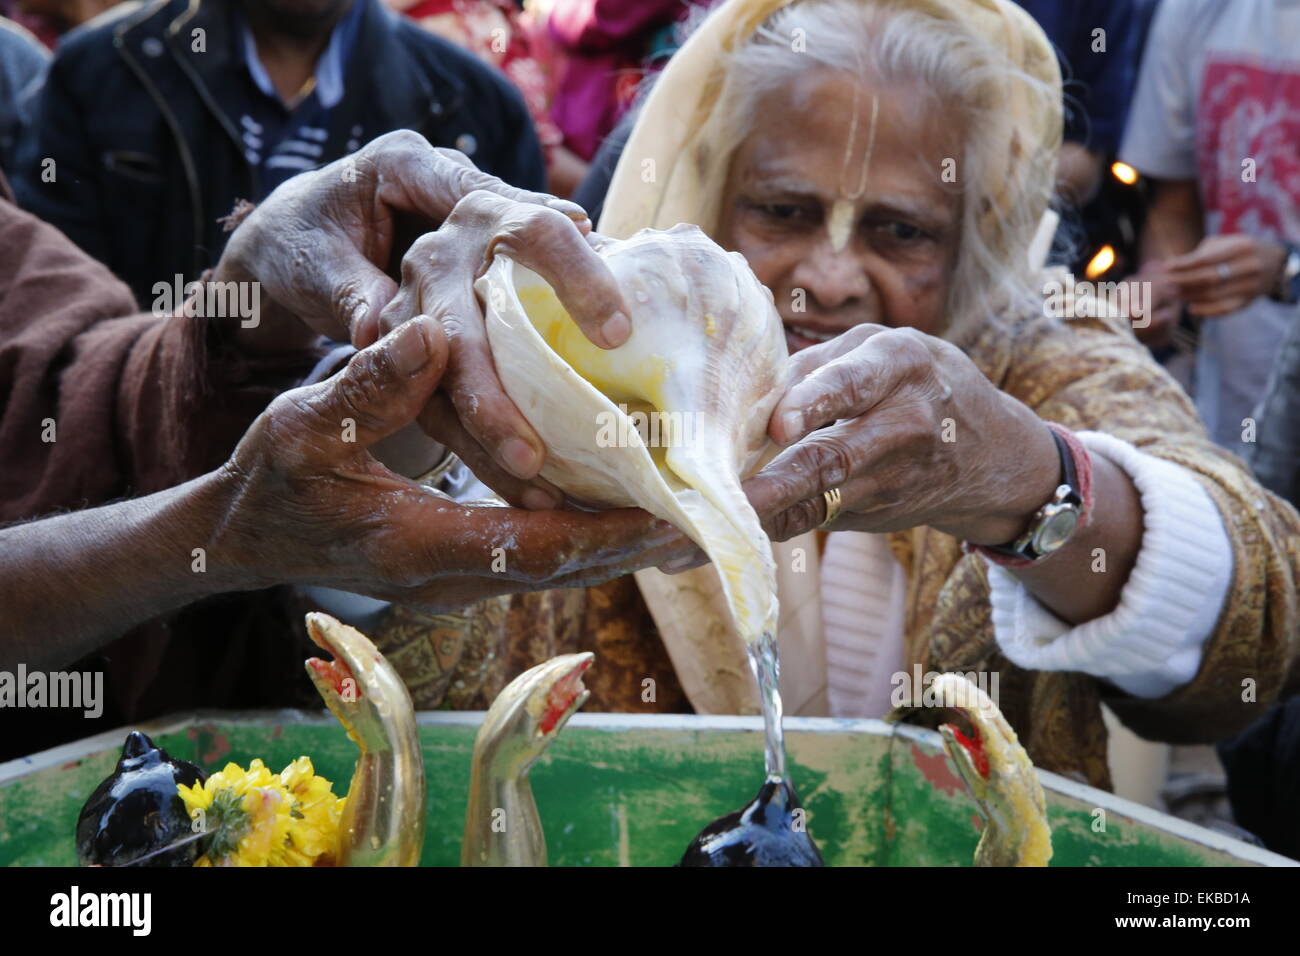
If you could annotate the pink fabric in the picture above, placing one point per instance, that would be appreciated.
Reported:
(474, 25)
(605, 41)
(46, 29)
(596, 26)
(585, 107)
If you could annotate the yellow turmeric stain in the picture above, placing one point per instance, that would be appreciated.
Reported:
(639, 389)
(600, 367)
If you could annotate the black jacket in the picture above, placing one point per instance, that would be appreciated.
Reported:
(146, 155)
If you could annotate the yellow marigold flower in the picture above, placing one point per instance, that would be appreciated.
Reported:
(258, 818)
(316, 813)
(195, 798)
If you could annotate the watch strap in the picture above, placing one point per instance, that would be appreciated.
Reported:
(1082, 463)
(1076, 471)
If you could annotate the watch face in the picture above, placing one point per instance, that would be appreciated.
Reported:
(1056, 529)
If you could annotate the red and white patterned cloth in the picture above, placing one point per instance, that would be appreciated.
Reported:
(493, 31)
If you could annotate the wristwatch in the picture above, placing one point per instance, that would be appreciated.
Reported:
(1288, 284)
(1055, 521)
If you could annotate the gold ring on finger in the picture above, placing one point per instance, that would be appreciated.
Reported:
(834, 504)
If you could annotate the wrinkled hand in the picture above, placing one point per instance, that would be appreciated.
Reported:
(916, 436)
(310, 505)
(471, 412)
(1226, 273)
(321, 243)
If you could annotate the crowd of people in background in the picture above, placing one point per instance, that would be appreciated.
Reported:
(1179, 171)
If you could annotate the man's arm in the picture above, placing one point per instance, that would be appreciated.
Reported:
(94, 407)
(1175, 221)
(297, 485)
(97, 403)
(68, 581)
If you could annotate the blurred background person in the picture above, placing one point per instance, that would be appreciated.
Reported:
(1262, 763)
(1275, 454)
(155, 120)
(1098, 44)
(1263, 767)
(1214, 125)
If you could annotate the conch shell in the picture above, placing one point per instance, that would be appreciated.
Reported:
(701, 372)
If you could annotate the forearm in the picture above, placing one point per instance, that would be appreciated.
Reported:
(1084, 579)
(1175, 224)
(1173, 597)
(71, 583)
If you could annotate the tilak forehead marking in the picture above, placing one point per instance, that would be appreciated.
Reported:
(844, 210)
(840, 223)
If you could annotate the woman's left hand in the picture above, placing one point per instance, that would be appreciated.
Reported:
(911, 433)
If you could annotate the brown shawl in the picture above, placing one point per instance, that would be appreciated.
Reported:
(135, 404)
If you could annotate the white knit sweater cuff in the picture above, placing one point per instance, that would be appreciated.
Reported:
(1151, 643)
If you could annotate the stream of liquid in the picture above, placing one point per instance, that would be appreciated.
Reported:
(770, 829)
(766, 665)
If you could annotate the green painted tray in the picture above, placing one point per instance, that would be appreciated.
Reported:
(619, 790)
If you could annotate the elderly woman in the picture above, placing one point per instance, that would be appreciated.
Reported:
(998, 490)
